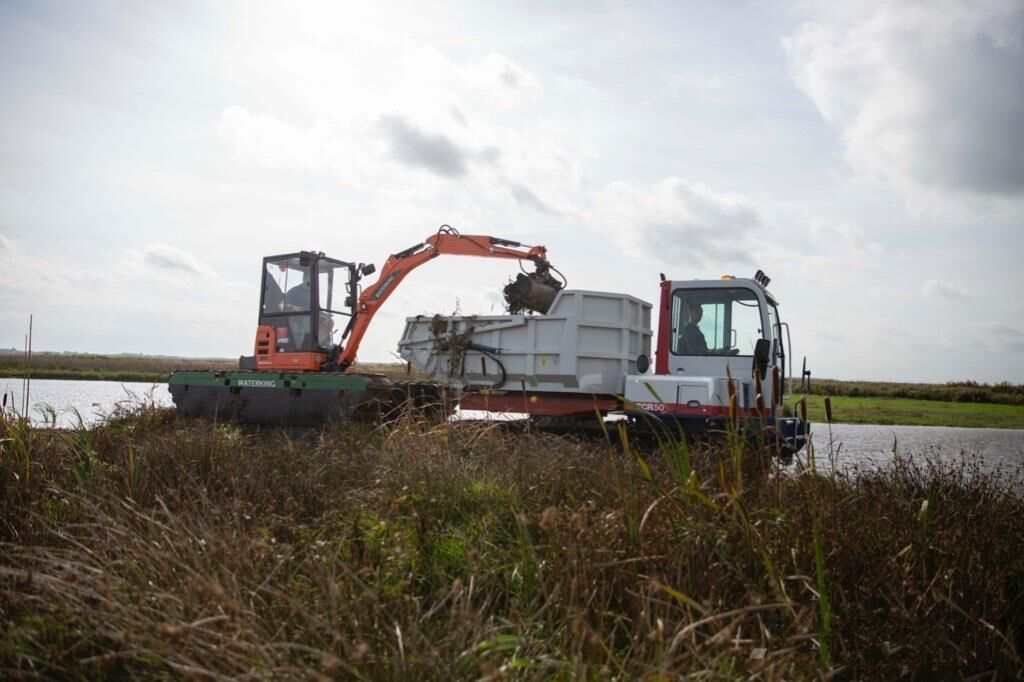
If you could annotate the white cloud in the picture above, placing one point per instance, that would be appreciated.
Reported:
(434, 152)
(833, 255)
(933, 288)
(925, 94)
(169, 259)
(272, 143)
(992, 338)
(493, 81)
(845, 237)
(889, 293)
(695, 81)
(527, 198)
(29, 281)
(6, 248)
(447, 117)
(677, 221)
(507, 83)
(1006, 338)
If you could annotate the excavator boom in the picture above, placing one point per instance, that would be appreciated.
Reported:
(447, 241)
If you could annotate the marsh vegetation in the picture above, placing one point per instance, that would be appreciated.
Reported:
(150, 546)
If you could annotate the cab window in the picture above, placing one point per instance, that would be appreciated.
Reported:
(286, 286)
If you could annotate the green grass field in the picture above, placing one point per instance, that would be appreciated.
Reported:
(951, 392)
(875, 410)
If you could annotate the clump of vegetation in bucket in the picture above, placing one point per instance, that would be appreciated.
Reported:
(150, 546)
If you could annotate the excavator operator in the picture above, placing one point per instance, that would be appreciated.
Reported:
(300, 295)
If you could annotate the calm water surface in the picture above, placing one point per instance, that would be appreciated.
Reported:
(871, 445)
(855, 445)
(91, 399)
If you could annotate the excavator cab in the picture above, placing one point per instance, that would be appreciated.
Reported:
(305, 303)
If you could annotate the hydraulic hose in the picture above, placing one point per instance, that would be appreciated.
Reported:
(489, 352)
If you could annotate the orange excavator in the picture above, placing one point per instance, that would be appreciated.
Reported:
(313, 315)
(288, 316)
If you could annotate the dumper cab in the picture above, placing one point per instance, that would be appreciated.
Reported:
(721, 353)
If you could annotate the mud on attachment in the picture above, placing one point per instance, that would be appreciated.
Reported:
(535, 291)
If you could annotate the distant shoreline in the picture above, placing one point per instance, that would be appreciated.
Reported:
(88, 375)
(90, 367)
(964, 404)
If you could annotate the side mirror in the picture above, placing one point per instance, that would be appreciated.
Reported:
(762, 351)
(367, 269)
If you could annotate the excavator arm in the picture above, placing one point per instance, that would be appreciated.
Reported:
(447, 241)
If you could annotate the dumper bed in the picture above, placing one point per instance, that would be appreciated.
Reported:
(586, 344)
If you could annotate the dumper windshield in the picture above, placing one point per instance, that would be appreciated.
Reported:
(720, 321)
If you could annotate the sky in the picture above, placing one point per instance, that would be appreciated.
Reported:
(868, 156)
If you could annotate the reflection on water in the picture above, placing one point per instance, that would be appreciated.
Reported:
(90, 399)
(872, 446)
(854, 445)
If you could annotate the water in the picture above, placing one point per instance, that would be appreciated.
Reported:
(857, 445)
(91, 399)
(869, 446)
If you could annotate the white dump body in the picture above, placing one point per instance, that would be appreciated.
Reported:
(587, 343)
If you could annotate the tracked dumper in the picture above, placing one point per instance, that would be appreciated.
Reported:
(313, 314)
(722, 354)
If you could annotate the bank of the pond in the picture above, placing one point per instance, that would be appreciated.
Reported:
(845, 409)
(154, 370)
